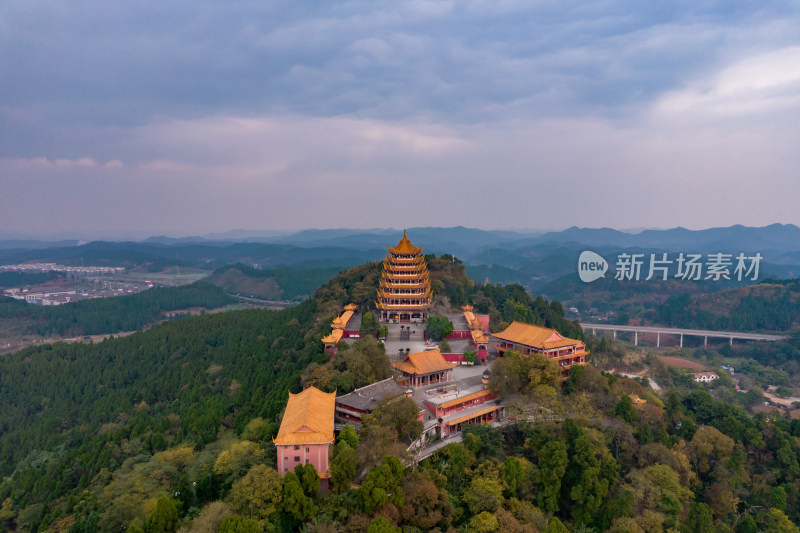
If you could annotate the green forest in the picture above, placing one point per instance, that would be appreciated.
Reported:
(278, 283)
(112, 315)
(171, 429)
(769, 306)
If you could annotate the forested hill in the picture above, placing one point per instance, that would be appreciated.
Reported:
(768, 306)
(111, 315)
(92, 434)
(272, 284)
(69, 412)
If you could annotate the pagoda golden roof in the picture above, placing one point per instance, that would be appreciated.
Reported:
(350, 307)
(404, 247)
(308, 418)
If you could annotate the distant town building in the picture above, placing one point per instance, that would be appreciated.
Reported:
(351, 407)
(306, 433)
(528, 339)
(425, 368)
(404, 294)
(705, 377)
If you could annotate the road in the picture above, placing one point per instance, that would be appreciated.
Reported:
(731, 335)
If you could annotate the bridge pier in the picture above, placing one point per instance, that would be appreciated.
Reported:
(705, 341)
(681, 340)
(731, 341)
(636, 338)
(594, 331)
(658, 340)
(615, 334)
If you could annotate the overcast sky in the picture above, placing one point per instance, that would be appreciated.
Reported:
(189, 117)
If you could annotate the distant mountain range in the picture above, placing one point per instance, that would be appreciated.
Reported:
(531, 258)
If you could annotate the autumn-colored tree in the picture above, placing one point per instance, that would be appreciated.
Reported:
(484, 522)
(484, 494)
(425, 504)
(257, 494)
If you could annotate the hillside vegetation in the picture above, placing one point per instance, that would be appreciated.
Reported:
(171, 430)
(270, 284)
(768, 306)
(111, 315)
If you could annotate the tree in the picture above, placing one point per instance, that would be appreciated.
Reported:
(425, 505)
(555, 526)
(309, 479)
(624, 410)
(592, 486)
(369, 326)
(700, 520)
(382, 525)
(348, 434)
(343, 467)
(512, 475)
(258, 494)
(400, 413)
(164, 518)
(484, 494)
(382, 484)
(549, 471)
(439, 327)
(484, 522)
(777, 522)
(295, 502)
(238, 524)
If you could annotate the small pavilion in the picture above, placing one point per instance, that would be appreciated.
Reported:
(425, 368)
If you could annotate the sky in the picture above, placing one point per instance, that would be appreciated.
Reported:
(190, 117)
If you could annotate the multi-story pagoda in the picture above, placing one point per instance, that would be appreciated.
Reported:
(405, 289)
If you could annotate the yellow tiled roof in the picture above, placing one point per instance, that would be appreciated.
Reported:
(472, 415)
(350, 307)
(478, 336)
(341, 321)
(534, 336)
(404, 247)
(468, 397)
(334, 337)
(424, 363)
(308, 418)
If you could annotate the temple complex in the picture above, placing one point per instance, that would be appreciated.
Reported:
(306, 433)
(404, 294)
(425, 368)
(527, 339)
(478, 327)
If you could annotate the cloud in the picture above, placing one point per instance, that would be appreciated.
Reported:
(496, 114)
(764, 84)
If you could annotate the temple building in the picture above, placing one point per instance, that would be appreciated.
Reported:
(306, 433)
(478, 328)
(341, 328)
(351, 407)
(425, 368)
(404, 294)
(527, 339)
